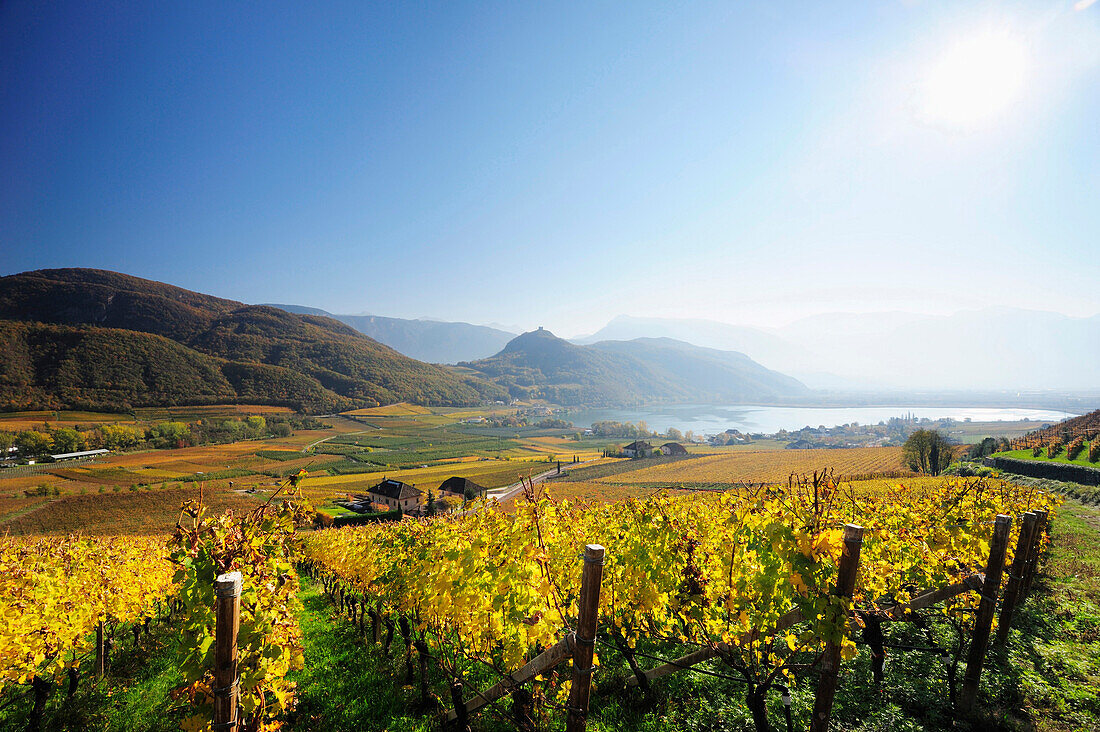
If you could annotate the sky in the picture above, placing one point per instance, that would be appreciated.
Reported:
(559, 164)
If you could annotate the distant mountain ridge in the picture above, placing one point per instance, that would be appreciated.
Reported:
(99, 339)
(991, 349)
(434, 341)
(538, 364)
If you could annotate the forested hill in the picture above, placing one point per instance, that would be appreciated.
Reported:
(97, 339)
(621, 373)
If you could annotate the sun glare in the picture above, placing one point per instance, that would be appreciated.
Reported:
(974, 82)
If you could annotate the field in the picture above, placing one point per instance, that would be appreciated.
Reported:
(764, 466)
(971, 432)
(141, 491)
(391, 410)
(147, 511)
(588, 491)
(488, 473)
(17, 421)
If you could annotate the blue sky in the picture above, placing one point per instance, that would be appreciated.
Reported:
(543, 164)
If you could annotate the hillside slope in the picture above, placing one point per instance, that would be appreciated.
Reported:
(263, 353)
(616, 373)
(434, 341)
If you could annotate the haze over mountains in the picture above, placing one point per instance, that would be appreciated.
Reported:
(538, 364)
(433, 341)
(980, 350)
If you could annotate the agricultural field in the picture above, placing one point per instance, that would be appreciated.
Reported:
(213, 411)
(416, 445)
(972, 432)
(401, 409)
(353, 453)
(487, 473)
(763, 466)
(17, 421)
(592, 492)
(147, 511)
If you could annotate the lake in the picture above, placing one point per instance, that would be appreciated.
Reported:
(712, 419)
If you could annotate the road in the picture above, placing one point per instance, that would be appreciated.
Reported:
(509, 492)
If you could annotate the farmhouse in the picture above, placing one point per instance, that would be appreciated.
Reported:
(638, 448)
(395, 494)
(673, 448)
(462, 487)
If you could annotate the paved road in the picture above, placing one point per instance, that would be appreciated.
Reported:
(509, 492)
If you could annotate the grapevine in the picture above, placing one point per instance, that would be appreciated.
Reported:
(723, 571)
(258, 544)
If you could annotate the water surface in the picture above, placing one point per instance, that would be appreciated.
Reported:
(712, 419)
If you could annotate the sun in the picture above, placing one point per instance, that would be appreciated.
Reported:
(975, 81)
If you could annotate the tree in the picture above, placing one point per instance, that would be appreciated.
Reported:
(7, 441)
(66, 439)
(928, 452)
(675, 434)
(170, 434)
(32, 443)
(120, 435)
(430, 509)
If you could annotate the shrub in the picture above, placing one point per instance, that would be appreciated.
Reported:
(1094, 450)
(1054, 448)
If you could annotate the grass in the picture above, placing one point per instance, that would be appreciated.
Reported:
(1081, 459)
(345, 684)
(1053, 665)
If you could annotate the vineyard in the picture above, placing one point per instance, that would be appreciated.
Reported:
(1085, 427)
(57, 596)
(770, 466)
(774, 590)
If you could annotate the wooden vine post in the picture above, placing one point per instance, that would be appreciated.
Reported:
(830, 660)
(585, 640)
(574, 644)
(100, 656)
(227, 592)
(1016, 575)
(1032, 564)
(983, 620)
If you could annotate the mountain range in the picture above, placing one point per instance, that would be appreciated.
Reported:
(540, 365)
(991, 350)
(93, 339)
(84, 338)
(434, 341)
